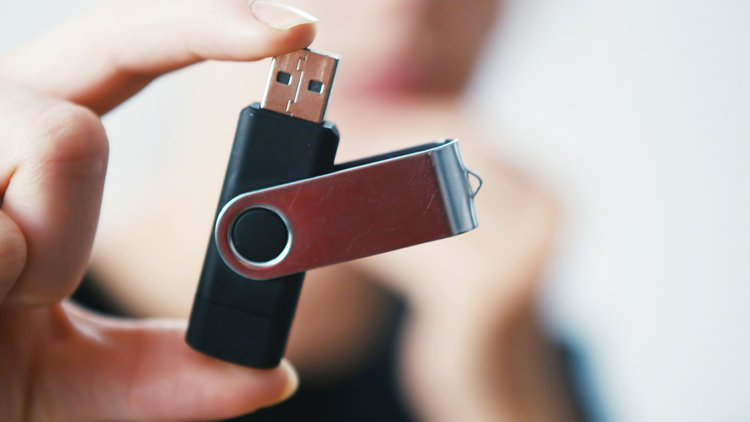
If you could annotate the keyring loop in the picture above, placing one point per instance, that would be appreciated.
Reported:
(479, 179)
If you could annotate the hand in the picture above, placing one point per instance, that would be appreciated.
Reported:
(57, 361)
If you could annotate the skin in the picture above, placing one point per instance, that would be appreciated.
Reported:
(57, 361)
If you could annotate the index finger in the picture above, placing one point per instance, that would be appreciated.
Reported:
(105, 56)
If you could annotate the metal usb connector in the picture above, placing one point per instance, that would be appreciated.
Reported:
(299, 84)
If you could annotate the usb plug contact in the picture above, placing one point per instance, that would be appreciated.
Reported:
(299, 84)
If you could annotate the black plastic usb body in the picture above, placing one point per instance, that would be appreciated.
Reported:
(285, 139)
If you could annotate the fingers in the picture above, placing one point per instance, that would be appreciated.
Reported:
(54, 156)
(107, 55)
(145, 371)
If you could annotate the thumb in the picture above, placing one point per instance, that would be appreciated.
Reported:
(143, 370)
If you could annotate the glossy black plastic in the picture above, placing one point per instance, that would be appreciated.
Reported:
(237, 319)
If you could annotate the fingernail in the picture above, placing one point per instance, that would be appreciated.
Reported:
(280, 16)
(292, 383)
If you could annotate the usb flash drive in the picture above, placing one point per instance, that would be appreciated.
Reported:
(286, 208)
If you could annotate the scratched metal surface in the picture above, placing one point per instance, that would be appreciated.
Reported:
(354, 213)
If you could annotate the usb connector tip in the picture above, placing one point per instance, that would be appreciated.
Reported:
(299, 84)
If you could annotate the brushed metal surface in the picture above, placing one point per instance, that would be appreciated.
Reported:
(359, 211)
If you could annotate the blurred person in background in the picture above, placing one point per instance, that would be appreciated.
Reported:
(464, 345)
(444, 331)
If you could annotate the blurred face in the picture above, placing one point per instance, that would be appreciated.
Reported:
(402, 47)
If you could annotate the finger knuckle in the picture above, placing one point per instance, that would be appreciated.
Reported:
(73, 134)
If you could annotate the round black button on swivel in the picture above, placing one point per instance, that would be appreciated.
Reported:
(259, 235)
